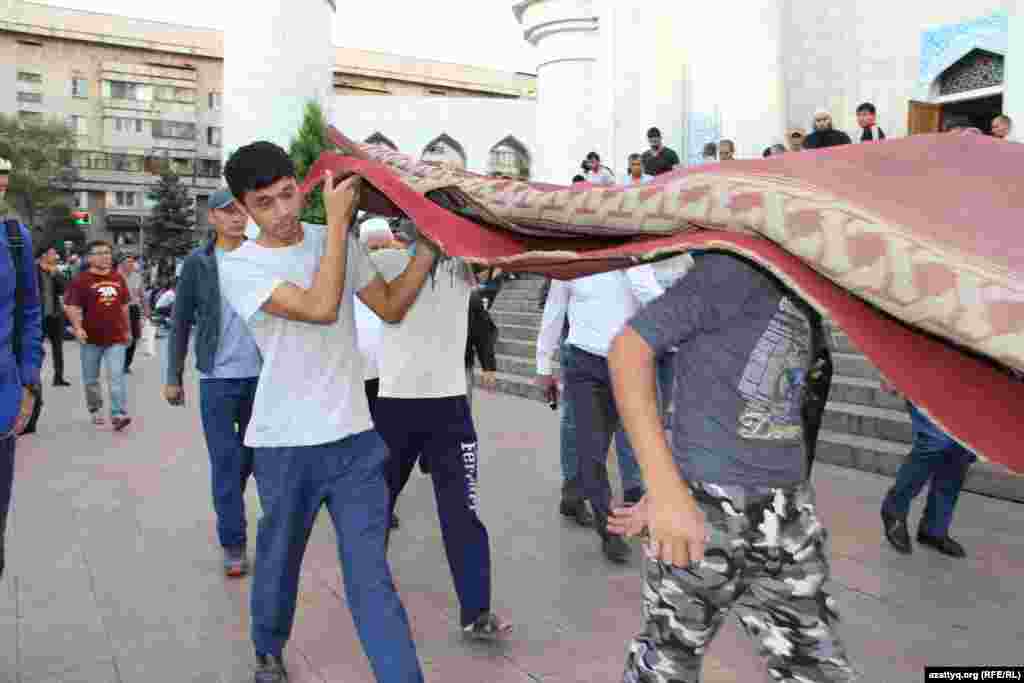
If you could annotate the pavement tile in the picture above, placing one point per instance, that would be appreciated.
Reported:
(114, 571)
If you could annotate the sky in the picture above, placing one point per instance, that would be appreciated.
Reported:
(449, 30)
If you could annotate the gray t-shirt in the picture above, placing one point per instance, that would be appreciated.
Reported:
(237, 356)
(744, 353)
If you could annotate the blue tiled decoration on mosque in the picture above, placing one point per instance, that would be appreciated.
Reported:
(943, 46)
(703, 128)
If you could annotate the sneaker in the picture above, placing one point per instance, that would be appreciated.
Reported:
(269, 669)
(616, 549)
(120, 422)
(486, 627)
(61, 383)
(944, 544)
(896, 533)
(577, 510)
(236, 564)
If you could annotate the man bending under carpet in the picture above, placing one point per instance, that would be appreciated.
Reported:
(730, 508)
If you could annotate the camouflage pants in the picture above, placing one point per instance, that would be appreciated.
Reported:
(765, 561)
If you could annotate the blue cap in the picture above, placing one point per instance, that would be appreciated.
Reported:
(221, 199)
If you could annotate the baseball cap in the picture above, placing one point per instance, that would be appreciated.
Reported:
(220, 199)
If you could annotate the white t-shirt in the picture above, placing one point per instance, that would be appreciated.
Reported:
(311, 386)
(424, 356)
(368, 331)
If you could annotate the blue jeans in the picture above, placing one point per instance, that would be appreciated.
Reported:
(629, 469)
(92, 358)
(6, 485)
(935, 456)
(225, 406)
(347, 476)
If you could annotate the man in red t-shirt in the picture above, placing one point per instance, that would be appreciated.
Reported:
(97, 306)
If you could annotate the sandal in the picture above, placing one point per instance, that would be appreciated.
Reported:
(486, 627)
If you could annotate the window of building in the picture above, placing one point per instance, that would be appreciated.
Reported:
(209, 168)
(213, 136)
(79, 87)
(181, 166)
(169, 93)
(510, 159)
(30, 97)
(127, 125)
(126, 162)
(80, 200)
(124, 200)
(215, 100)
(79, 125)
(174, 129)
(29, 77)
(122, 90)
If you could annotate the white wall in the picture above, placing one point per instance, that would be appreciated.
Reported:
(413, 122)
(838, 55)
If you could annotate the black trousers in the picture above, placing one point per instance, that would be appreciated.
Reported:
(135, 314)
(53, 328)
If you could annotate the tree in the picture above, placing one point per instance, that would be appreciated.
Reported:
(169, 228)
(58, 227)
(39, 153)
(310, 142)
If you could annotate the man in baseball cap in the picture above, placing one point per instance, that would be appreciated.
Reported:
(229, 365)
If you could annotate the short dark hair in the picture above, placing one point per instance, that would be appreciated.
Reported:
(635, 157)
(711, 150)
(653, 132)
(256, 166)
(578, 179)
(594, 155)
(45, 247)
(98, 243)
(767, 152)
(868, 107)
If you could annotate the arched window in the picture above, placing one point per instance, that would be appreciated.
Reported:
(379, 138)
(510, 158)
(976, 70)
(444, 149)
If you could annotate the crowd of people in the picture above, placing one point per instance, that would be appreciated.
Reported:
(325, 376)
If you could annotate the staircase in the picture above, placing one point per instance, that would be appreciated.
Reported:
(864, 428)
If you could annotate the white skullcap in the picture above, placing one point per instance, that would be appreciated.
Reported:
(374, 227)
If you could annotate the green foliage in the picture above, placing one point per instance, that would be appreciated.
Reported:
(169, 228)
(38, 151)
(305, 149)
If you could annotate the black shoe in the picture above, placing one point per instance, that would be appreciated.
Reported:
(616, 549)
(61, 383)
(944, 544)
(896, 532)
(269, 669)
(127, 371)
(394, 521)
(633, 495)
(577, 510)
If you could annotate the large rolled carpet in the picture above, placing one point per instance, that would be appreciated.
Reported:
(914, 247)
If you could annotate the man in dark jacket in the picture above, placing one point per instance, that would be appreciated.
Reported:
(824, 134)
(21, 346)
(229, 364)
(51, 284)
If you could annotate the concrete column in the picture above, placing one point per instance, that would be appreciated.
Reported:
(643, 64)
(568, 99)
(1013, 79)
(739, 99)
(277, 59)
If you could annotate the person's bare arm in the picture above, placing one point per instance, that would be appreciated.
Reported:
(676, 522)
(127, 320)
(392, 300)
(319, 303)
(74, 314)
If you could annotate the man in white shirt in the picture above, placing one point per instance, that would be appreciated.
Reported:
(423, 414)
(314, 443)
(597, 306)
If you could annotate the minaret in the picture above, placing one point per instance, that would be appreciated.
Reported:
(570, 104)
(277, 59)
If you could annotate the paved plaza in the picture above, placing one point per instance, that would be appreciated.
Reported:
(114, 576)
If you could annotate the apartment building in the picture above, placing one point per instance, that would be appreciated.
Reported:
(139, 94)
